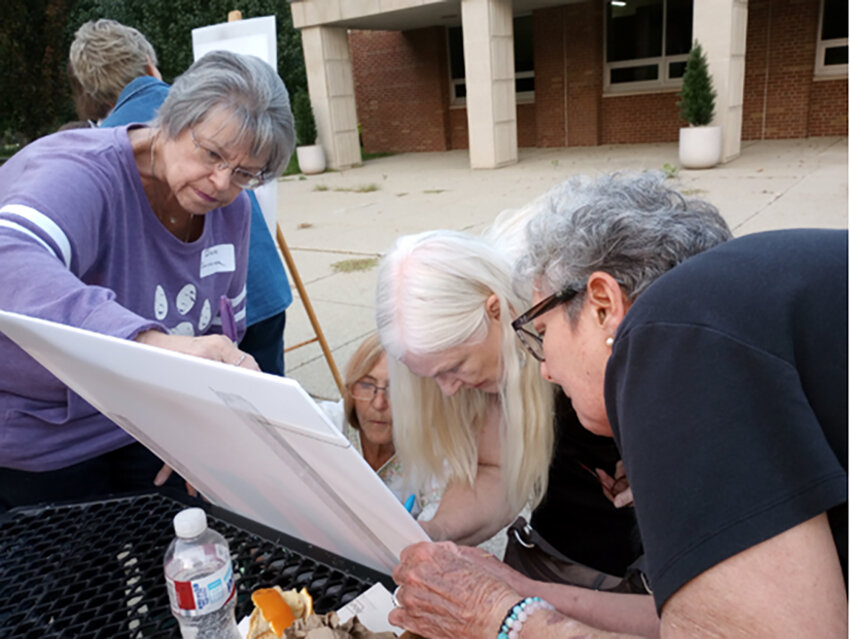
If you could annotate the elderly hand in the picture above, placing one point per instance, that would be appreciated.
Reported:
(215, 347)
(616, 488)
(444, 593)
(498, 569)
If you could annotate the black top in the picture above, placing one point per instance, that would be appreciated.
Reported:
(575, 516)
(727, 394)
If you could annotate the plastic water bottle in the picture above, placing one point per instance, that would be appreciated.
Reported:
(199, 578)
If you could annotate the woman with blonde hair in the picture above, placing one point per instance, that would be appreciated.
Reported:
(368, 419)
(475, 413)
(364, 415)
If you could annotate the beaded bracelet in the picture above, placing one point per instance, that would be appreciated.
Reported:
(517, 615)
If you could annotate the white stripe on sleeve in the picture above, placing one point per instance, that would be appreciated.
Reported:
(14, 225)
(236, 301)
(45, 224)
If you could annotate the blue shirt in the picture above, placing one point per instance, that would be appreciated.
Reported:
(267, 286)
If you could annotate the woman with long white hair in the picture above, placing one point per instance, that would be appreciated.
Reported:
(471, 409)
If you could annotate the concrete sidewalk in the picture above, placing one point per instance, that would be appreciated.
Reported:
(339, 221)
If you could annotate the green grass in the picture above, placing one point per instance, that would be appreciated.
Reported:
(374, 156)
(354, 265)
(361, 188)
(670, 170)
(292, 168)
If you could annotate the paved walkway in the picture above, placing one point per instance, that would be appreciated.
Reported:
(337, 224)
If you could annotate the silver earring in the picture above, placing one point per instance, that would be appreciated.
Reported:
(522, 359)
(609, 342)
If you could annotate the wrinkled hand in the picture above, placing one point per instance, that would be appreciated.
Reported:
(498, 569)
(444, 594)
(163, 475)
(616, 488)
(215, 347)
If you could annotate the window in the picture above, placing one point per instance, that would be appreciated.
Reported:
(646, 43)
(832, 38)
(523, 62)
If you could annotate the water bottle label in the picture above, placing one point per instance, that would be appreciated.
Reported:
(202, 595)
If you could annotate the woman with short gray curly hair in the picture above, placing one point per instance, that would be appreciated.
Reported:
(719, 367)
(138, 232)
(634, 227)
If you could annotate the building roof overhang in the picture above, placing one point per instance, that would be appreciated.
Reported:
(393, 15)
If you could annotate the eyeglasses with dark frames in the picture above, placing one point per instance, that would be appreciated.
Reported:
(367, 391)
(531, 340)
(238, 176)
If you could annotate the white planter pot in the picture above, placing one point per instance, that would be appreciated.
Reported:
(311, 159)
(700, 147)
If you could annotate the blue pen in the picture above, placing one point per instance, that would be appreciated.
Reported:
(228, 320)
(408, 505)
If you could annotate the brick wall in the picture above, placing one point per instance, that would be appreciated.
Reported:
(402, 86)
(549, 75)
(584, 37)
(459, 132)
(639, 119)
(781, 97)
(401, 89)
(526, 124)
(526, 127)
(755, 69)
(828, 108)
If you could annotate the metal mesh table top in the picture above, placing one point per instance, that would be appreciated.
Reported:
(95, 569)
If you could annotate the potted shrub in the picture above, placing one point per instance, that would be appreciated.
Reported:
(311, 157)
(700, 145)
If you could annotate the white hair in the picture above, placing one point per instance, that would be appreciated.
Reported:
(432, 290)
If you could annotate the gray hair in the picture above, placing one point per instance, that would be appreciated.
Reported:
(631, 226)
(106, 56)
(244, 86)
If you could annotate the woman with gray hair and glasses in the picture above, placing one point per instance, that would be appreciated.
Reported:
(138, 232)
(720, 369)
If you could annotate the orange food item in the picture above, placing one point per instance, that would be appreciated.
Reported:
(274, 609)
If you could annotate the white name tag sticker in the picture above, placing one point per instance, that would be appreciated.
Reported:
(218, 259)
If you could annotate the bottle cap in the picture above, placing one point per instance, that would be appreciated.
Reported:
(190, 522)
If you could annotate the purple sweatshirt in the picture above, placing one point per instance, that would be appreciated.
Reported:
(80, 245)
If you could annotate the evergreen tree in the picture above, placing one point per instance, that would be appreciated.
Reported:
(697, 96)
(35, 35)
(305, 123)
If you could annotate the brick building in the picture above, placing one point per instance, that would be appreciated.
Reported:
(494, 75)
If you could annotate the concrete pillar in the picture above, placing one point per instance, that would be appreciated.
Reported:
(721, 28)
(330, 80)
(488, 54)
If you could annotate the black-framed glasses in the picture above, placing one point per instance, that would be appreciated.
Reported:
(238, 176)
(367, 391)
(530, 339)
